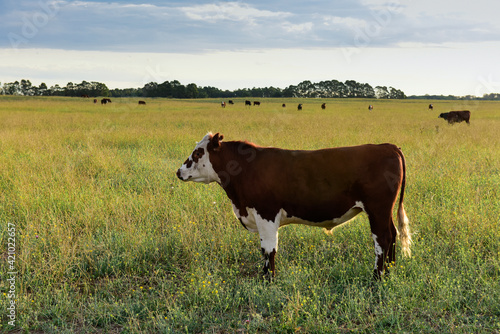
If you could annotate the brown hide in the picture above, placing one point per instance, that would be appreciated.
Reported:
(312, 185)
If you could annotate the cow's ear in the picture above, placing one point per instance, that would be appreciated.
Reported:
(216, 139)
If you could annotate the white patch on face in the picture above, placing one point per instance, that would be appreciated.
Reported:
(378, 250)
(201, 170)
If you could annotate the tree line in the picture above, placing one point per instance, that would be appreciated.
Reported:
(174, 89)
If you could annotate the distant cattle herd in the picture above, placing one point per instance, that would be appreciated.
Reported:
(451, 117)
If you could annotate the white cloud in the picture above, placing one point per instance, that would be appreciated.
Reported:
(230, 11)
(298, 28)
(344, 22)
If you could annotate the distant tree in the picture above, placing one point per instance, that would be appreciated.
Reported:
(368, 91)
(306, 89)
(381, 92)
(244, 92)
(56, 90)
(43, 89)
(26, 88)
(396, 93)
(178, 90)
(69, 90)
(150, 90)
(210, 92)
(12, 88)
(191, 91)
(272, 92)
(354, 89)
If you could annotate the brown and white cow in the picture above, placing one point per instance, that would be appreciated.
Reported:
(272, 187)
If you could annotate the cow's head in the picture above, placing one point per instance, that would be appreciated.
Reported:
(198, 167)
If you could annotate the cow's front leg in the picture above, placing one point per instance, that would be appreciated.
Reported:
(268, 232)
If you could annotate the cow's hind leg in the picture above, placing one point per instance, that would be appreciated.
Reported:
(384, 239)
(391, 256)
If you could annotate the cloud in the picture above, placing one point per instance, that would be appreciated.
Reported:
(343, 22)
(201, 25)
(301, 28)
(229, 11)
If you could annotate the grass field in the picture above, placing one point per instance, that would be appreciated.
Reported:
(108, 240)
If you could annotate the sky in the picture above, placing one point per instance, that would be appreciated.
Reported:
(421, 47)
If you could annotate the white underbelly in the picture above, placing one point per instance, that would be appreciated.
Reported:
(251, 224)
(328, 224)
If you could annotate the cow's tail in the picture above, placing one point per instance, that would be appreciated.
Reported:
(403, 222)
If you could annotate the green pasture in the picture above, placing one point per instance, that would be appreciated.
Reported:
(108, 240)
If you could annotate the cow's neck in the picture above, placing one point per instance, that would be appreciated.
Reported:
(232, 162)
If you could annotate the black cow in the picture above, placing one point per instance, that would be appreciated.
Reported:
(248, 103)
(142, 102)
(323, 106)
(431, 107)
(299, 107)
(230, 102)
(456, 116)
(256, 103)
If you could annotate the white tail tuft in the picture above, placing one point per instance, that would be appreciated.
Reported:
(404, 231)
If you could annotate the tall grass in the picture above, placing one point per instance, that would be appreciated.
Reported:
(108, 240)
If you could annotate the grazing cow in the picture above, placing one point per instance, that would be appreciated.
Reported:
(456, 116)
(370, 107)
(230, 102)
(256, 103)
(142, 102)
(223, 104)
(431, 107)
(95, 100)
(299, 107)
(283, 105)
(271, 187)
(248, 103)
(104, 101)
(323, 106)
